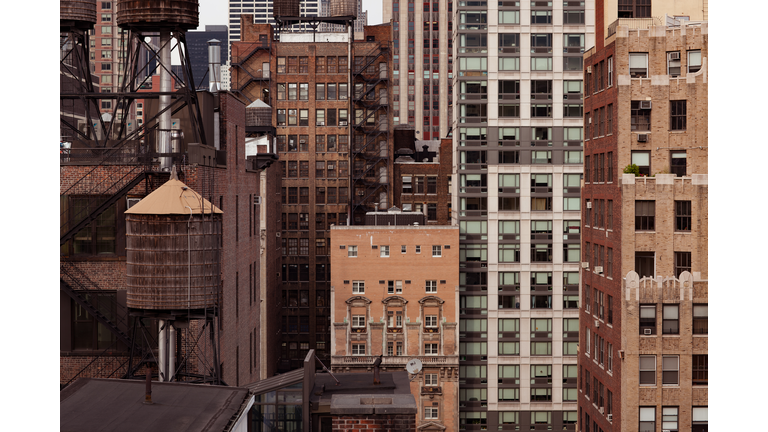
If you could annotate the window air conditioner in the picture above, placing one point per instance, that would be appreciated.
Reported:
(256, 200)
(645, 104)
(597, 323)
(610, 417)
(589, 204)
(589, 69)
(674, 55)
(601, 410)
(321, 123)
(584, 264)
(277, 234)
(647, 331)
(599, 269)
(342, 123)
(642, 137)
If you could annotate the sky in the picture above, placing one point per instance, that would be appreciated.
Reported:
(214, 12)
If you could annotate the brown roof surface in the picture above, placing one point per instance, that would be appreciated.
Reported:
(118, 405)
(174, 197)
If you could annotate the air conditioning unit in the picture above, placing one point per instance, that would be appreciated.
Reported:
(342, 123)
(674, 55)
(589, 204)
(599, 269)
(589, 69)
(645, 104)
(584, 264)
(610, 417)
(642, 137)
(647, 331)
(256, 200)
(321, 123)
(601, 410)
(597, 323)
(302, 141)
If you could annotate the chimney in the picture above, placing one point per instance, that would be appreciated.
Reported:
(214, 66)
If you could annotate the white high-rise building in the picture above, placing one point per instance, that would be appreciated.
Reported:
(518, 143)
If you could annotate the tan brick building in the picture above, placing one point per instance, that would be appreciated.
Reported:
(644, 278)
(394, 293)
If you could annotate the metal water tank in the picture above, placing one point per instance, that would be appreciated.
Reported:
(156, 14)
(285, 8)
(77, 13)
(343, 8)
(173, 250)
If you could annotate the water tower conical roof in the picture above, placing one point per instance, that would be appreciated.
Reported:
(174, 197)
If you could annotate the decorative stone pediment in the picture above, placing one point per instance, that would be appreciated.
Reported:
(394, 301)
(358, 301)
(431, 301)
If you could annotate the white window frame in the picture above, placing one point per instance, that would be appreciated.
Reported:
(610, 71)
(352, 251)
(358, 349)
(430, 379)
(437, 251)
(358, 321)
(638, 55)
(384, 251)
(430, 413)
(431, 286)
(403, 249)
(430, 321)
(430, 349)
(418, 249)
(358, 287)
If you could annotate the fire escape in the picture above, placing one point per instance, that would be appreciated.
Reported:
(370, 132)
(111, 159)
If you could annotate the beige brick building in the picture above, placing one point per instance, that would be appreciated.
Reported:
(394, 293)
(643, 363)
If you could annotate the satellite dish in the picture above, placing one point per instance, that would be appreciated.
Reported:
(413, 366)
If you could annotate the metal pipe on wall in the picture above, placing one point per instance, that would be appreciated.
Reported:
(164, 132)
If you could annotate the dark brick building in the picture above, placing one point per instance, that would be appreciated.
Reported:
(93, 261)
(422, 180)
(332, 132)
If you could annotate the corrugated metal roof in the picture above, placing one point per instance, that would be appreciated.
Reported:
(276, 382)
(174, 197)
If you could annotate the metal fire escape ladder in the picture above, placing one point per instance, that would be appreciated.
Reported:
(85, 221)
(77, 296)
(240, 67)
(369, 152)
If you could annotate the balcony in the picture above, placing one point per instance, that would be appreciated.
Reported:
(431, 329)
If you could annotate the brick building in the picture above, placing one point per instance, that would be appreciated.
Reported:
(93, 260)
(644, 277)
(422, 179)
(330, 111)
(394, 293)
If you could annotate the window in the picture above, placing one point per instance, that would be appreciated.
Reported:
(402, 249)
(358, 321)
(384, 251)
(670, 366)
(699, 419)
(430, 349)
(88, 333)
(648, 370)
(647, 419)
(669, 419)
(437, 251)
(677, 114)
(320, 117)
(640, 117)
(430, 379)
(430, 413)
(673, 64)
(541, 418)
(670, 322)
(694, 61)
(682, 263)
(352, 251)
(610, 362)
(648, 319)
(700, 369)
(418, 249)
(431, 286)
(541, 63)
(430, 321)
(638, 65)
(643, 161)
(358, 349)
(509, 63)
(645, 264)
(644, 215)
(358, 287)
(700, 319)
